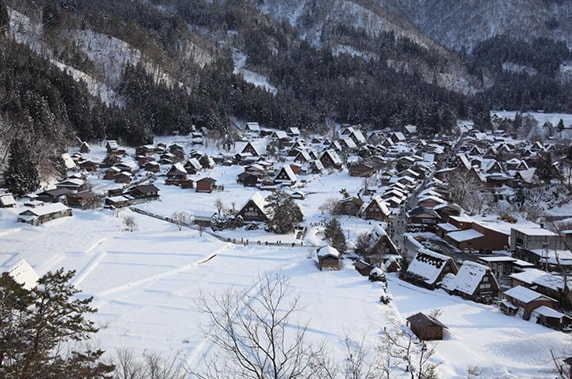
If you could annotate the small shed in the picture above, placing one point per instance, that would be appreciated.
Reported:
(7, 200)
(205, 185)
(425, 327)
(329, 258)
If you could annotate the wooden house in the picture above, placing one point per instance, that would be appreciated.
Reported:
(112, 147)
(254, 150)
(252, 128)
(315, 167)
(110, 173)
(350, 206)
(254, 209)
(376, 209)
(428, 268)
(53, 195)
(425, 218)
(285, 176)
(40, 215)
(123, 177)
(152, 166)
(145, 150)
(84, 200)
(330, 159)
(176, 174)
(193, 166)
(144, 191)
(205, 185)
(461, 162)
(379, 246)
(73, 185)
(115, 202)
(425, 327)
(293, 131)
(474, 281)
(522, 301)
(88, 165)
(247, 179)
(361, 169)
(84, 147)
(328, 258)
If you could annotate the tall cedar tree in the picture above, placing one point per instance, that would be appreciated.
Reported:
(4, 16)
(21, 176)
(286, 214)
(335, 235)
(39, 329)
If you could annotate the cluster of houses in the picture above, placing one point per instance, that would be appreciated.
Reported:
(402, 174)
(528, 274)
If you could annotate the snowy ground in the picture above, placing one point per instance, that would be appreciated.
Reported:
(145, 283)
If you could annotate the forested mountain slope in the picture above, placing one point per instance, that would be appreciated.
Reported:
(129, 70)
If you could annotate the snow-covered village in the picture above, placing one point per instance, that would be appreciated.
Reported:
(454, 251)
(285, 189)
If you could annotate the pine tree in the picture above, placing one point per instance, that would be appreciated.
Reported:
(21, 176)
(4, 16)
(335, 235)
(286, 214)
(37, 326)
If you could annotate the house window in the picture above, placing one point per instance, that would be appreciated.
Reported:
(485, 285)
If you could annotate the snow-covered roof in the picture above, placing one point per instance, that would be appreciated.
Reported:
(258, 199)
(498, 258)
(447, 227)
(428, 265)
(194, 163)
(524, 294)
(328, 251)
(7, 200)
(545, 311)
(333, 156)
(23, 274)
(468, 278)
(289, 173)
(46, 209)
(533, 230)
(464, 235)
(68, 161)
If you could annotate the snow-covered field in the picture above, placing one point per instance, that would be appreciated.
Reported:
(145, 283)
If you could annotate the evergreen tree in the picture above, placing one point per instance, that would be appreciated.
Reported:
(4, 16)
(21, 176)
(38, 325)
(560, 126)
(335, 235)
(286, 214)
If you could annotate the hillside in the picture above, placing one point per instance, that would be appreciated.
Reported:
(129, 70)
(465, 23)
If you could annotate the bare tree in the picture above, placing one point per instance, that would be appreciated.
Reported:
(257, 335)
(402, 351)
(150, 365)
(467, 191)
(219, 206)
(363, 362)
(329, 206)
(181, 218)
(130, 223)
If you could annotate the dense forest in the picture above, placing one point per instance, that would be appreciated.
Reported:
(315, 85)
